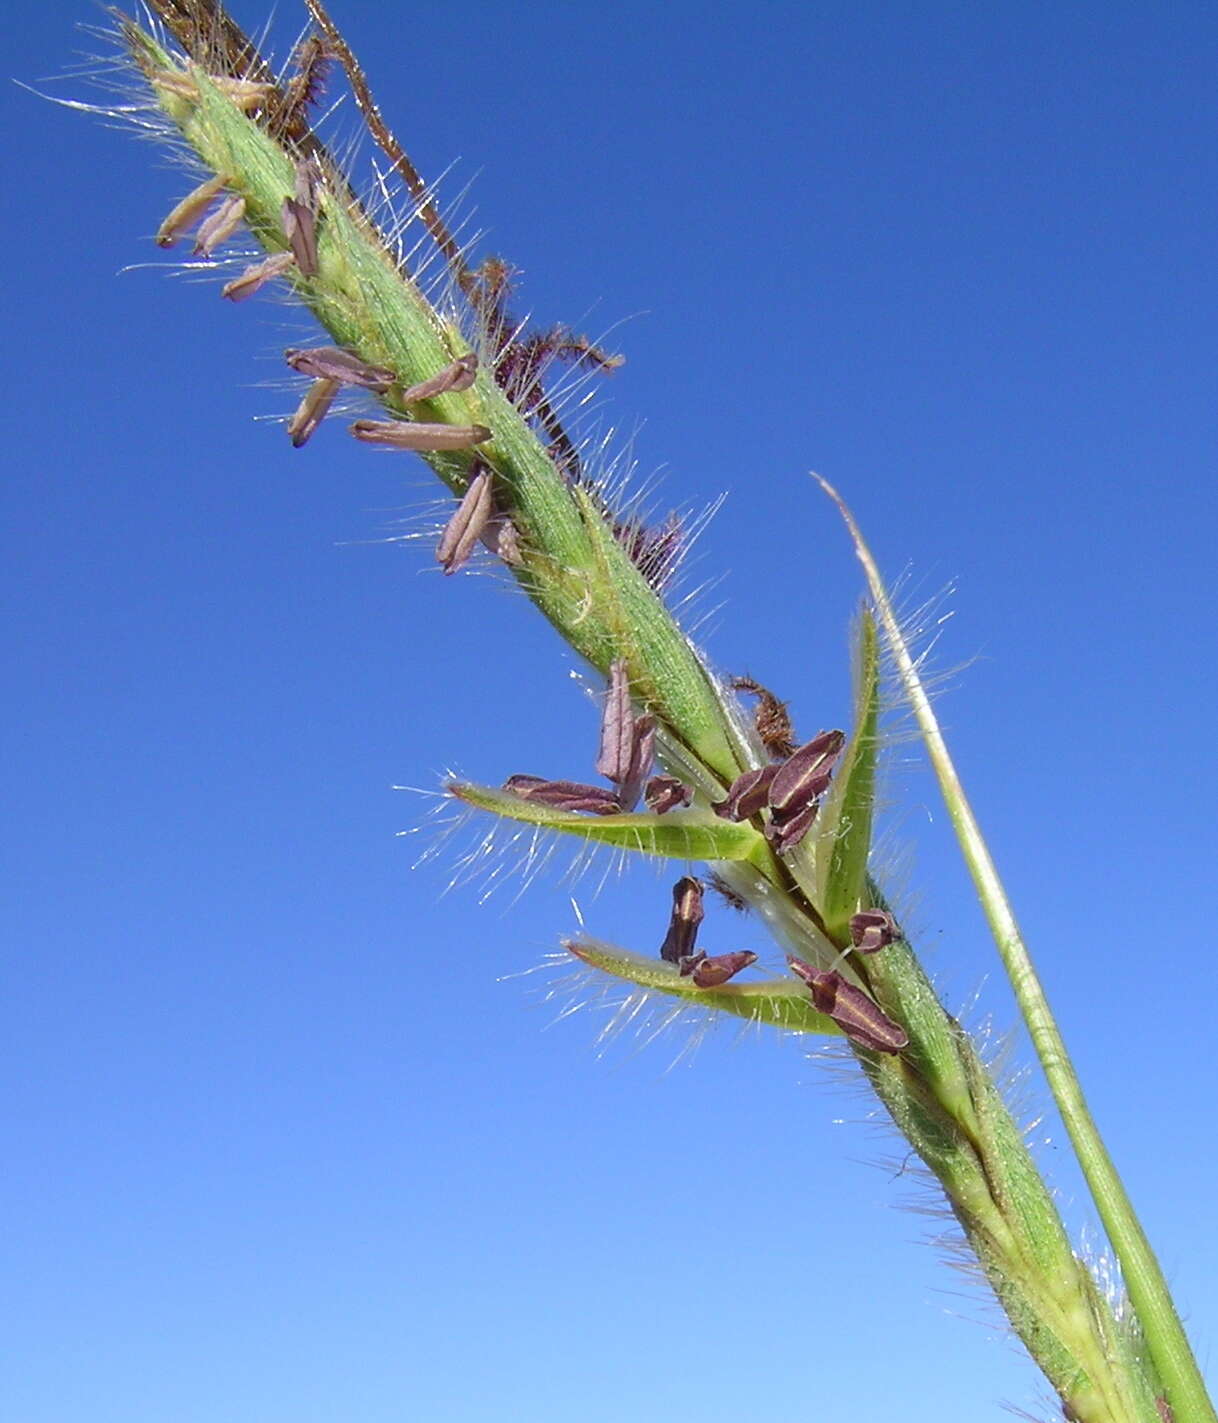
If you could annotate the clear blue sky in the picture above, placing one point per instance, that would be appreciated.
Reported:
(281, 1144)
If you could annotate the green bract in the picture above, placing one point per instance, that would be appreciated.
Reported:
(778, 1003)
(679, 835)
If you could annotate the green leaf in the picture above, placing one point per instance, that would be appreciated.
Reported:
(780, 1003)
(843, 827)
(679, 835)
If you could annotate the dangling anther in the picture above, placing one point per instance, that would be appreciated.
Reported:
(468, 523)
(192, 207)
(627, 746)
(459, 375)
(220, 225)
(254, 278)
(300, 229)
(312, 410)
(333, 363)
(687, 914)
(416, 435)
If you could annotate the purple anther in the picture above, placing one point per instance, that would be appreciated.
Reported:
(501, 538)
(858, 1015)
(797, 787)
(333, 363)
(220, 225)
(415, 435)
(190, 210)
(805, 775)
(872, 930)
(665, 793)
(254, 278)
(747, 795)
(457, 376)
(716, 970)
(300, 229)
(564, 795)
(627, 743)
(468, 523)
(784, 832)
(642, 754)
(617, 726)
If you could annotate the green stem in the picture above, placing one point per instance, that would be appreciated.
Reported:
(1166, 1341)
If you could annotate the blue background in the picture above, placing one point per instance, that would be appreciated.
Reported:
(283, 1140)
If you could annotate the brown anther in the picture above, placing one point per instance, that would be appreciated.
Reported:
(468, 523)
(312, 410)
(220, 225)
(254, 278)
(416, 435)
(192, 207)
(683, 924)
(333, 363)
(627, 744)
(653, 551)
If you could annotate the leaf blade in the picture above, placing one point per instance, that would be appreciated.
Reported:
(679, 835)
(780, 1003)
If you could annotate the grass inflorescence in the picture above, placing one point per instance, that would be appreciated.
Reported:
(691, 767)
